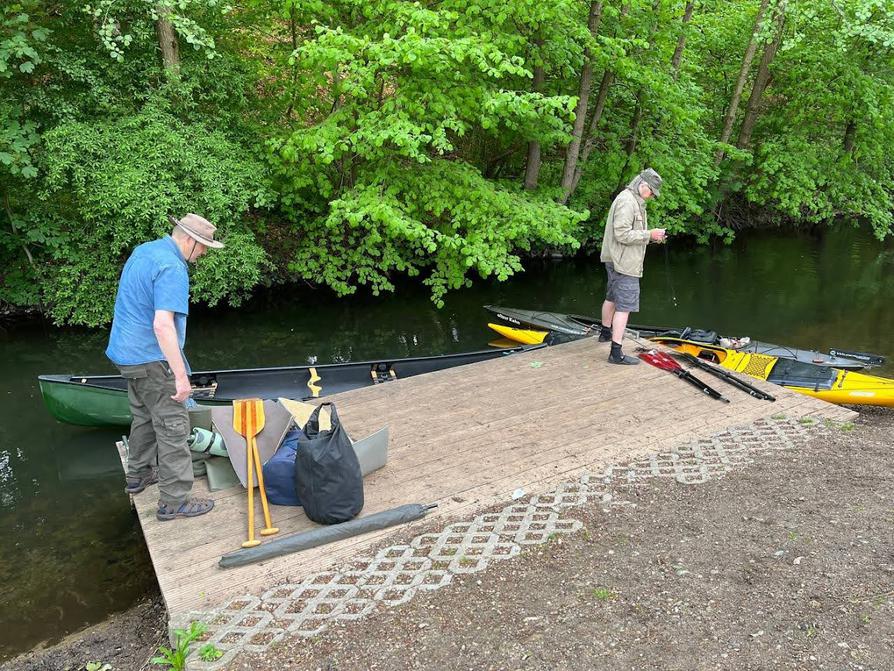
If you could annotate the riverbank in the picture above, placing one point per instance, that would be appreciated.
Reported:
(785, 563)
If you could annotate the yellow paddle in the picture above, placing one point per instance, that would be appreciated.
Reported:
(248, 420)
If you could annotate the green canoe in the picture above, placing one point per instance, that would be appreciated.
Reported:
(101, 400)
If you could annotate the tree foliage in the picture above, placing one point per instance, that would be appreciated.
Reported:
(349, 142)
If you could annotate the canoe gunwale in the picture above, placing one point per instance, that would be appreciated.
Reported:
(485, 354)
(64, 394)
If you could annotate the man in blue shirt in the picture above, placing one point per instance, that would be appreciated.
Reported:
(146, 344)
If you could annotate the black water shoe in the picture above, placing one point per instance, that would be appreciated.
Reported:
(618, 357)
(622, 359)
(605, 333)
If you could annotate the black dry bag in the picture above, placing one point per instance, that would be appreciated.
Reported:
(327, 474)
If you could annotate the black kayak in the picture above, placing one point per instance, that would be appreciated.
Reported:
(563, 327)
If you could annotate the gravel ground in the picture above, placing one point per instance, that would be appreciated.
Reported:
(785, 564)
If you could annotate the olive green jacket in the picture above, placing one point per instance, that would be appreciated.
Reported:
(626, 233)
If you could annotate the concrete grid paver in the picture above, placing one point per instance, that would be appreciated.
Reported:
(395, 574)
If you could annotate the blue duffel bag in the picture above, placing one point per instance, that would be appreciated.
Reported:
(279, 472)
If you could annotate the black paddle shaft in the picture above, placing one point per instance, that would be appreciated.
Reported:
(695, 382)
(728, 377)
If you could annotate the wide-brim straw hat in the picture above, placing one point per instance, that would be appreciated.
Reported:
(198, 228)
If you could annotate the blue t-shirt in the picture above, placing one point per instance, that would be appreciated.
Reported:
(155, 277)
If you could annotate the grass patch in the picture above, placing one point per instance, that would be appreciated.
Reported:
(602, 594)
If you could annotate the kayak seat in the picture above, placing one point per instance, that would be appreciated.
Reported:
(791, 373)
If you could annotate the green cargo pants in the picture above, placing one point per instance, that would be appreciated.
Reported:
(159, 431)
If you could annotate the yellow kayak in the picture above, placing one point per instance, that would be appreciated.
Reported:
(833, 385)
(829, 384)
(523, 336)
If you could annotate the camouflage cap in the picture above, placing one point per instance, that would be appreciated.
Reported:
(653, 179)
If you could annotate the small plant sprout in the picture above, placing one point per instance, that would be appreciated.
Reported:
(210, 653)
(175, 658)
(602, 593)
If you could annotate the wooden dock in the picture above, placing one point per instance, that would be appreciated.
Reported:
(465, 438)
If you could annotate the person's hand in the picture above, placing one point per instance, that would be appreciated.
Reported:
(658, 235)
(183, 388)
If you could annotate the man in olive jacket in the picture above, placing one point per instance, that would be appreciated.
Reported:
(623, 250)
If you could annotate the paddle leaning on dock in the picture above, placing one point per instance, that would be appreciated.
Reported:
(101, 400)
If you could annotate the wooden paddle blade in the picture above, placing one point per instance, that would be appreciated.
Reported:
(257, 411)
(248, 416)
(239, 419)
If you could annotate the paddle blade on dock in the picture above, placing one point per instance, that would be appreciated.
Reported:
(248, 416)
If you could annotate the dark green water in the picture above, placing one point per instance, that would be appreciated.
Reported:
(72, 552)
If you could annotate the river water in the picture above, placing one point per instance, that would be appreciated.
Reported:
(72, 552)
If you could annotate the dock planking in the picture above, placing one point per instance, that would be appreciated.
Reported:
(464, 438)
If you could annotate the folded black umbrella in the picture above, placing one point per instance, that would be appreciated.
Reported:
(324, 535)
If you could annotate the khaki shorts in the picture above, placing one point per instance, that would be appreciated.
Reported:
(622, 290)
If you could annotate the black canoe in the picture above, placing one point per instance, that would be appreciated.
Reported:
(101, 400)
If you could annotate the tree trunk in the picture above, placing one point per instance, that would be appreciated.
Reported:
(532, 169)
(293, 27)
(630, 144)
(167, 41)
(15, 231)
(762, 79)
(681, 41)
(850, 137)
(607, 80)
(639, 108)
(730, 118)
(293, 30)
(580, 112)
